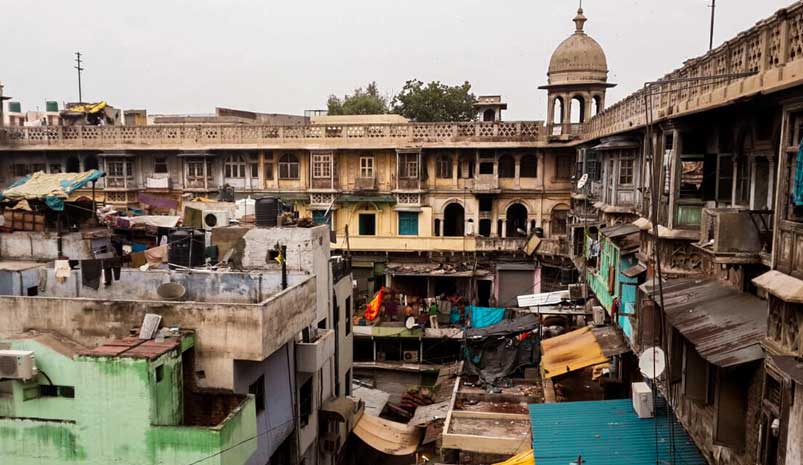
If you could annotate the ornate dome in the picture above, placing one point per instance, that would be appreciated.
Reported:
(578, 59)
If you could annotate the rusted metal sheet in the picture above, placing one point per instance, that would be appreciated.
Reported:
(134, 348)
(726, 326)
(611, 340)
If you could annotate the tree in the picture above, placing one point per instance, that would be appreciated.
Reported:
(366, 101)
(435, 102)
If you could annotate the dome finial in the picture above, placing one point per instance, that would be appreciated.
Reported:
(580, 19)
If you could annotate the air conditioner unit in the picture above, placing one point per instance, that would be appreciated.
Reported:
(330, 443)
(17, 364)
(599, 315)
(215, 219)
(410, 356)
(642, 400)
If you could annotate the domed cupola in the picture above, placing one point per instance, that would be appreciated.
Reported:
(578, 74)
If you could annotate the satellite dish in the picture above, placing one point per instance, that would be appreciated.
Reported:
(583, 180)
(410, 323)
(652, 362)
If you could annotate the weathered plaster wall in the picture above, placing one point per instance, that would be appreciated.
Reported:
(343, 290)
(201, 286)
(307, 251)
(112, 417)
(43, 246)
(225, 332)
(276, 422)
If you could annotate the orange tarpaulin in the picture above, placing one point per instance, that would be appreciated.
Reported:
(571, 351)
(372, 309)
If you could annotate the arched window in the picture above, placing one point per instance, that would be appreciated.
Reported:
(507, 166)
(559, 220)
(234, 166)
(516, 220)
(557, 110)
(528, 166)
(454, 220)
(288, 167)
(578, 109)
(596, 103)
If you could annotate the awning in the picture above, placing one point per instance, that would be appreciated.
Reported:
(51, 188)
(572, 351)
(366, 198)
(341, 409)
(195, 155)
(726, 326)
(621, 230)
(426, 414)
(635, 270)
(781, 285)
(388, 436)
(374, 399)
(791, 366)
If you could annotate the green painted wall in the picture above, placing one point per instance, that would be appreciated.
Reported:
(119, 415)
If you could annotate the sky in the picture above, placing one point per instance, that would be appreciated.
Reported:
(189, 56)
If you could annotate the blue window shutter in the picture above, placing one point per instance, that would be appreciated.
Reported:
(408, 223)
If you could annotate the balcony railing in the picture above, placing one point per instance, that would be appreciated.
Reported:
(768, 49)
(233, 135)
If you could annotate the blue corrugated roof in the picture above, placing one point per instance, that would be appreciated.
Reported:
(606, 432)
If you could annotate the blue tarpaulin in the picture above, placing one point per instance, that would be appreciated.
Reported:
(484, 316)
(50, 188)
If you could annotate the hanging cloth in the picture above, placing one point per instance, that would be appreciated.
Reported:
(90, 273)
(797, 196)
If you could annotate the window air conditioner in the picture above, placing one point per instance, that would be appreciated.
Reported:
(410, 356)
(17, 364)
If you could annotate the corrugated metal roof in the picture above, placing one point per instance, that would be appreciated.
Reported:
(606, 432)
(726, 326)
(620, 230)
(611, 340)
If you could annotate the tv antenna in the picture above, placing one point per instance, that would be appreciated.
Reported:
(713, 7)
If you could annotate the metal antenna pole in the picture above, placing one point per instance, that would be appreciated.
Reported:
(711, 35)
(79, 68)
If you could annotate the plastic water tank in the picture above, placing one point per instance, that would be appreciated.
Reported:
(267, 211)
(181, 242)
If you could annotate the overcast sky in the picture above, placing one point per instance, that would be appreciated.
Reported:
(189, 56)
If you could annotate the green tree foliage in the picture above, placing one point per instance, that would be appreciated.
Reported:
(366, 101)
(435, 102)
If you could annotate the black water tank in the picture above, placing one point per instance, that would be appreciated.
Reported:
(267, 211)
(181, 244)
